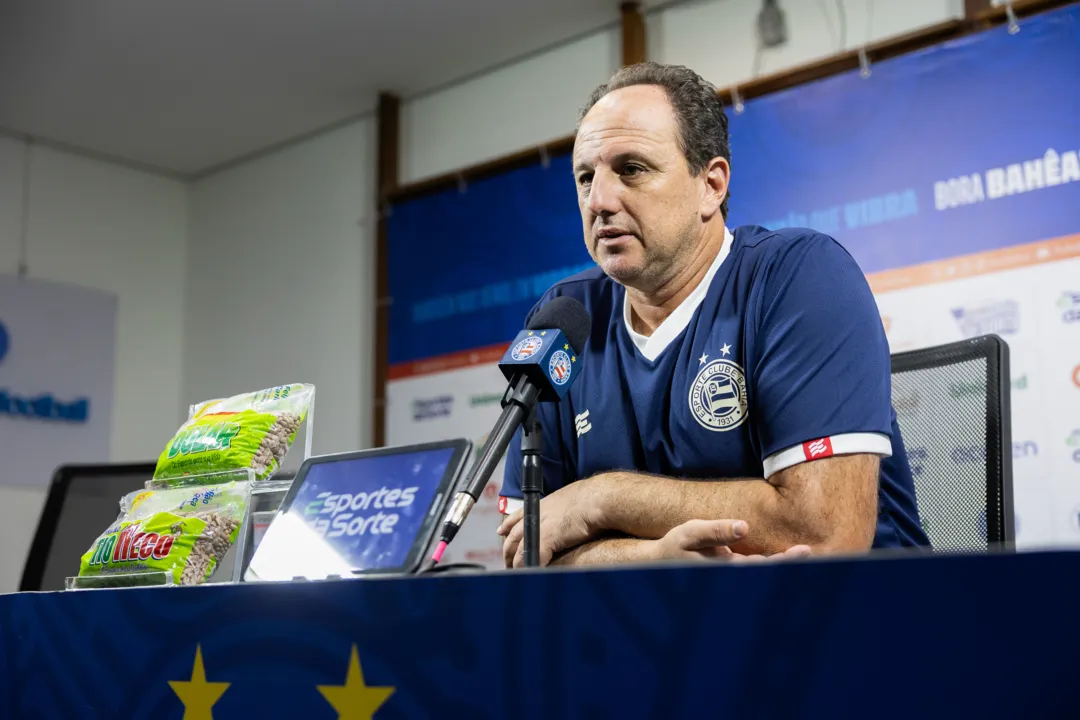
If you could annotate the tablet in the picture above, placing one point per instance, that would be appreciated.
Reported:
(372, 512)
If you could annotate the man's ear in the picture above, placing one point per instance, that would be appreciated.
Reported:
(717, 174)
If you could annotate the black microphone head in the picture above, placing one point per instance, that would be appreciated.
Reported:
(566, 314)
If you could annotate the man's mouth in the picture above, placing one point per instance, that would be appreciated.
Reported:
(612, 237)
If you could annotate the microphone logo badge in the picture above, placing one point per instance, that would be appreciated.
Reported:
(527, 347)
(560, 367)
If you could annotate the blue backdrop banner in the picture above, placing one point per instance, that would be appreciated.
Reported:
(962, 149)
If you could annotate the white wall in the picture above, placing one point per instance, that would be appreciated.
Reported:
(281, 281)
(717, 39)
(115, 229)
(513, 108)
(536, 100)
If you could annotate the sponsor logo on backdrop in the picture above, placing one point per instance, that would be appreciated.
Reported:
(1000, 318)
(1069, 304)
(485, 556)
(487, 399)
(527, 347)
(966, 389)
(860, 213)
(432, 408)
(977, 454)
(906, 400)
(1025, 448)
(916, 457)
(1076, 376)
(1037, 173)
(1073, 443)
(969, 454)
(962, 389)
(38, 407)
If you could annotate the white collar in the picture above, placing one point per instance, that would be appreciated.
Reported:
(652, 345)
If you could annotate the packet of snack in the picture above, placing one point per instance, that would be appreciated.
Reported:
(182, 531)
(253, 430)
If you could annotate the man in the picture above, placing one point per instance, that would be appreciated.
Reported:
(735, 399)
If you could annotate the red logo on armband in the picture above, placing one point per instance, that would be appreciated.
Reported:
(502, 504)
(816, 449)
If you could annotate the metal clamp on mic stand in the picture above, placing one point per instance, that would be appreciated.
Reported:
(532, 481)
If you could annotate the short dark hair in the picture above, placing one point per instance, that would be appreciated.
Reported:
(703, 124)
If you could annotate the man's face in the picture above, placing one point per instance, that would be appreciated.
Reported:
(641, 209)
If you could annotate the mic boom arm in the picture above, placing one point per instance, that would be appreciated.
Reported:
(518, 402)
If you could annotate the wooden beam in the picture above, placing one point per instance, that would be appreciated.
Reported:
(995, 15)
(973, 8)
(389, 124)
(633, 33)
(834, 65)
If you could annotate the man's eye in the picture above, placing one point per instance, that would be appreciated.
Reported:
(584, 178)
(633, 170)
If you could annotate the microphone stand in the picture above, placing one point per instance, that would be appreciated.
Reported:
(532, 480)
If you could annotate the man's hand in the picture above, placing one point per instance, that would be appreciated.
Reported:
(566, 520)
(711, 540)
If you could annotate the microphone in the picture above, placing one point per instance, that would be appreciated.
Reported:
(540, 365)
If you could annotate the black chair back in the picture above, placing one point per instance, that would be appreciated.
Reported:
(952, 403)
(83, 501)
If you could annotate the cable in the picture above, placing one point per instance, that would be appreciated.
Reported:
(842, 14)
(828, 20)
(24, 222)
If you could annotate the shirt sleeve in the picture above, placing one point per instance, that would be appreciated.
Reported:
(820, 381)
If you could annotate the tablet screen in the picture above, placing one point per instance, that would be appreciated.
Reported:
(361, 513)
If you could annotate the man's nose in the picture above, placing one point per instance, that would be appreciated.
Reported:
(604, 195)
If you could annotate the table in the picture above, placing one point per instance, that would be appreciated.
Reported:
(976, 636)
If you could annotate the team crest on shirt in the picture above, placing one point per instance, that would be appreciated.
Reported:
(718, 396)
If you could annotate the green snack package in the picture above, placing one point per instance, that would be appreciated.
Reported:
(250, 431)
(183, 531)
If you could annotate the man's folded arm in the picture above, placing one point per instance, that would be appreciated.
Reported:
(829, 504)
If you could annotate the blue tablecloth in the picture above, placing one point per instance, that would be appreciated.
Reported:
(873, 638)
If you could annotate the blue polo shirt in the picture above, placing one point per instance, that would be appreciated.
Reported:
(778, 357)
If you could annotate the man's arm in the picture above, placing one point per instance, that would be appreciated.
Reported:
(611, 550)
(692, 540)
(828, 504)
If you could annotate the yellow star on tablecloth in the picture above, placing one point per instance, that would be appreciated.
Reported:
(198, 695)
(355, 700)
